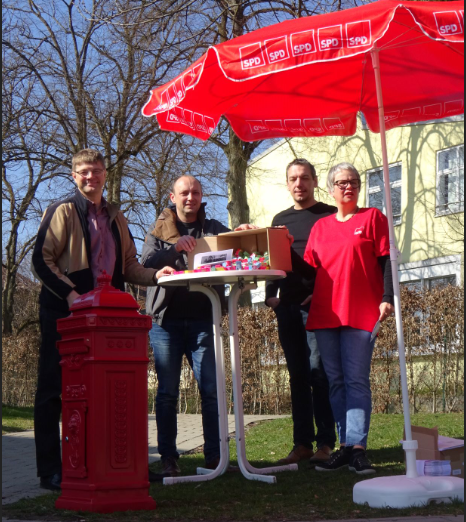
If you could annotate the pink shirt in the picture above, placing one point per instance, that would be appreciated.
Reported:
(103, 248)
(349, 283)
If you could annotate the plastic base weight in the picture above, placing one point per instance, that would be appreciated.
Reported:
(404, 492)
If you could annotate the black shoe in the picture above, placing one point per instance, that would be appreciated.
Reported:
(338, 460)
(155, 477)
(213, 465)
(360, 464)
(51, 482)
(170, 467)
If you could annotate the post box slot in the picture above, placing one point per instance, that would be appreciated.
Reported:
(74, 345)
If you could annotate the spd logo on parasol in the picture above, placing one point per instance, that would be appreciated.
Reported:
(257, 126)
(303, 43)
(314, 126)
(454, 107)
(277, 49)
(252, 56)
(448, 23)
(359, 34)
(331, 38)
(334, 124)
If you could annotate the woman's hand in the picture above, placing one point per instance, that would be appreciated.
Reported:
(386, 310)
(165, 272)
(272, 302)
(307, 300)
(246, 226)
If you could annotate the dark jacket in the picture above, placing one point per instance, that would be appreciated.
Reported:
(159, 251)
(61, 259)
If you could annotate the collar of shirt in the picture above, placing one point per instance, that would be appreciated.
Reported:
(92, 207)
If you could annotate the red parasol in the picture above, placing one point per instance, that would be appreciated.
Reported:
(311, 76)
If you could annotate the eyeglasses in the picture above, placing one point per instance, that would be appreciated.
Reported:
(94, 172)
(343, 184)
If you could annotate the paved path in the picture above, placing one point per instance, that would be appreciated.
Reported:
(19, 478)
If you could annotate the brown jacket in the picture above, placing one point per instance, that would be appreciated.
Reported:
(61, 257)
(159, 251)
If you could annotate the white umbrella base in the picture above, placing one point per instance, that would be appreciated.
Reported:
(404, 492)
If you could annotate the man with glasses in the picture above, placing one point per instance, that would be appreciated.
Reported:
(79, 238)
(308, 381)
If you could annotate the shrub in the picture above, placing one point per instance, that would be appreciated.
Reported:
(433, 328)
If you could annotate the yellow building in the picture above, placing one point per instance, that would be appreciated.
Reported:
(427, 182)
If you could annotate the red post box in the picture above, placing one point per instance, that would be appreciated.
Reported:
(104, 396)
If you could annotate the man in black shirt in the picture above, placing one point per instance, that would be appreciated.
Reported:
(308, 382)
(182, 321)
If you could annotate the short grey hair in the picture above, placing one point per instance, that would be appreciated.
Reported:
(338, 168)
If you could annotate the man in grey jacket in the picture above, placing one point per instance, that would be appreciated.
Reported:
(182, 320)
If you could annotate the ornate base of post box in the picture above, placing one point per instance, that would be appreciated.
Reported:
(110, 503)
(104, 363)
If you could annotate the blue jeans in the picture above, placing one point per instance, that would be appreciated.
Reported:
(308, 383)
(347, 354)
(170, 342)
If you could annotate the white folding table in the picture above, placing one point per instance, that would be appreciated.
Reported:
(241, 280)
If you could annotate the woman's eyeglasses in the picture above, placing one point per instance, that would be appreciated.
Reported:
(343, 184)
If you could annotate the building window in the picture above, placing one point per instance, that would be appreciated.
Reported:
(376, 193)
(413, 285)
(450, 180)
(440, 282)
(430, 283)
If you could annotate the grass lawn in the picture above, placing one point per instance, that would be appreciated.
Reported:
(304, 495)
(17, 419)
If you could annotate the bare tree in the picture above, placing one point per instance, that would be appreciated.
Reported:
(72, 82)
(28, 163)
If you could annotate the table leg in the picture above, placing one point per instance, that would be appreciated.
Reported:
(205, 474)
(247, 469)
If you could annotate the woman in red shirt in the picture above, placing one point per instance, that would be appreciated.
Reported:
(353, 290)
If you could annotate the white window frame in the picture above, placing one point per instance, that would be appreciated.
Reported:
(431, 270)
(458, 206)
(397, 221)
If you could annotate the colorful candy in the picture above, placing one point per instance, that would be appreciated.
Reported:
(242, 261)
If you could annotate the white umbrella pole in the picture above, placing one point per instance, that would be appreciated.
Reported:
(410, 446)
(406, 490)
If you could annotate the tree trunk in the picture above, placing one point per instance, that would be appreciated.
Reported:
(8, 293)
(8, 300)
(238, 207)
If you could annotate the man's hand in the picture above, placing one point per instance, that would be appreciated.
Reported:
(273, 302)
(289, 236)
(185, 244)
(386, 310)
(165, 272)
(72, 296)
(307, 301)
(246, 227)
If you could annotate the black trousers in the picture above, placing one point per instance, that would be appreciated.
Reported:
(310, 393)
(47, 406)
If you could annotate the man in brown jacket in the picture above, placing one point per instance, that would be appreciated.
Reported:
(78, 239)
(182, 321)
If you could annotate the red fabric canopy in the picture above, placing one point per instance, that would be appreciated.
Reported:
(311, 76)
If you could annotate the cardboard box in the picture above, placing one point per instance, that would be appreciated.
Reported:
(432, 446)
(271, 240)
